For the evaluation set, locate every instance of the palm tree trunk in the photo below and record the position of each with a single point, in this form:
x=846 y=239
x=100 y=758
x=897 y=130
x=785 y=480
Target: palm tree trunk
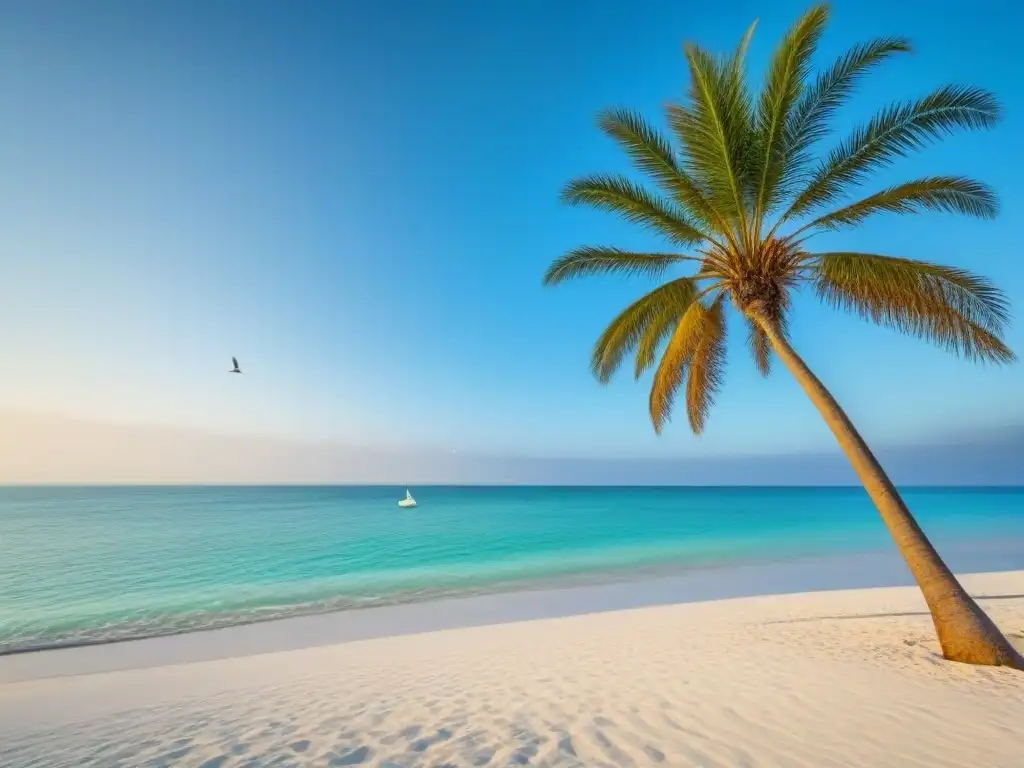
x=965 y=632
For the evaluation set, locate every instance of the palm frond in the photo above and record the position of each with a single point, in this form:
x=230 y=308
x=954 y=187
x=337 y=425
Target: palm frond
x=959 y=311
x=624 y=332
x=671 y=368
x=948 y=194
x=706 y=370
x=777 y=313
x=716 y=264
x=740 y=54
x=760 y=347
x=715 y=130
x=633 y=203
x=590 y=260
x=652 y=153
x=787 y=73
x=661 y=325
x=808 y=122
x=893 y=133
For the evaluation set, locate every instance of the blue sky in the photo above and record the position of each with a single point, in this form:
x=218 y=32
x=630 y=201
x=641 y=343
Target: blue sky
x=359 y=201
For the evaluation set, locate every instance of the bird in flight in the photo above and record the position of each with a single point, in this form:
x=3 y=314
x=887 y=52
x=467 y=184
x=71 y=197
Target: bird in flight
x=236 y=369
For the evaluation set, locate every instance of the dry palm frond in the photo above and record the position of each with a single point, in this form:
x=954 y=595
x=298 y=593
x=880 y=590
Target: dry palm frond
x=671 y=369
x=706 y=370
x=625 y=331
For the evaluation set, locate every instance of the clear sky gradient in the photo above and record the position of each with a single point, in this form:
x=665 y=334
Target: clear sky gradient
x=359 y=199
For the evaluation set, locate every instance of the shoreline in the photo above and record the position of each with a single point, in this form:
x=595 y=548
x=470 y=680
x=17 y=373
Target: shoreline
x=529 y=602
x=655 y=571
x=976 y=556
x=155 y=563
x=789 y=679
x=636 y=574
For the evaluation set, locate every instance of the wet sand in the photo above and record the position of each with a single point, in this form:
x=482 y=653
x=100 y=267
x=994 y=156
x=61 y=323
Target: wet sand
x=832 y=678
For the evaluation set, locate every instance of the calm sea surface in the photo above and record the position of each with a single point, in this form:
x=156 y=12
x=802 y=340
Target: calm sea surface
x=95 y=564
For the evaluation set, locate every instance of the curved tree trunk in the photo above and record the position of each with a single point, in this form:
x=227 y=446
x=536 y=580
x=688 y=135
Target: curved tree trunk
x=965 y=632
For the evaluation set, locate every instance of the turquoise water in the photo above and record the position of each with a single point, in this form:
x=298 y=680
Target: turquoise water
x=84 y=565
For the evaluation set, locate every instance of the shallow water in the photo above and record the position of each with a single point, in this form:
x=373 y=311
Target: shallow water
x=80 y=565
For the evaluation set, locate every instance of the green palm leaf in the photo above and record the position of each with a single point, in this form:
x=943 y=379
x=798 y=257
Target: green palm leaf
x=808 y=122
x=590 y=260
x=632 y=202
x=894 y=133
x=953 y=308
x=736 y=61
x=739 y=160
x=624 y=332
x=652 y=154
x=948 y=194
x=789 y=69
x=715 y=131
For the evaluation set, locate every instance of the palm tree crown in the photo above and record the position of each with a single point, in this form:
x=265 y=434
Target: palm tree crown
x=744 y=169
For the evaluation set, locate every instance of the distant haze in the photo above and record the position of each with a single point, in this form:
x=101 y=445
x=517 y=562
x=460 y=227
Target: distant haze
x=359 y=201
x=37 y=448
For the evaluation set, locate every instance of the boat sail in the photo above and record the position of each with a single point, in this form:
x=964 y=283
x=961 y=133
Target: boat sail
x=408 y=501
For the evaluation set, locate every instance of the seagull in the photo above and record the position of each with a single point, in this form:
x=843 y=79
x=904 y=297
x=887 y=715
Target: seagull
x=236 y=369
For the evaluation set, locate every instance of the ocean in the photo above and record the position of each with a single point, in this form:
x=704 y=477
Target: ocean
x=91 y=565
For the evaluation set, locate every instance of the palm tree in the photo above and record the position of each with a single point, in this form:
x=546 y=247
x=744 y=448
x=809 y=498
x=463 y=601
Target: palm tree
x=744 y=173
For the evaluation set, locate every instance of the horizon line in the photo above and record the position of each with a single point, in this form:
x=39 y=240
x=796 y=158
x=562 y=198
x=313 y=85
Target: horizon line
x=653 y=486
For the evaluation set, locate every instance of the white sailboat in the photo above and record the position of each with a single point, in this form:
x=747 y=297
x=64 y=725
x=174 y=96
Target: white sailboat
x=408 y=501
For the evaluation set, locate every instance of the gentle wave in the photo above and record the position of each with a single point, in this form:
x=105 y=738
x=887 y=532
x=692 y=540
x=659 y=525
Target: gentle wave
x=625 y=567
x=85 y=566
x=163 y=625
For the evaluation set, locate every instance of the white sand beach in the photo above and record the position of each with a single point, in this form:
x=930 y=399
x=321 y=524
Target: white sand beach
x=842 y=678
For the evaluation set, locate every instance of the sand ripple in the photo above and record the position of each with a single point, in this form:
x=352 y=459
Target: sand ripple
x=834 y=679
